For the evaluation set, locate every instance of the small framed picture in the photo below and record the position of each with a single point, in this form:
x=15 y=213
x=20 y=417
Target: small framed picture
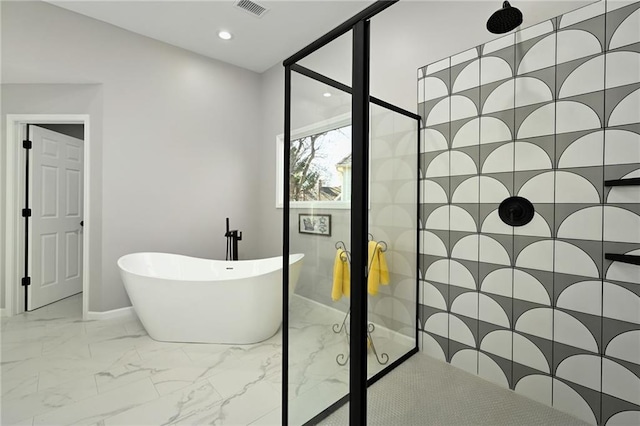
x=318 y=224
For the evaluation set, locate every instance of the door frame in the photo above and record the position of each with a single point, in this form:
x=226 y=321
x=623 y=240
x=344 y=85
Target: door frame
x=15 y=189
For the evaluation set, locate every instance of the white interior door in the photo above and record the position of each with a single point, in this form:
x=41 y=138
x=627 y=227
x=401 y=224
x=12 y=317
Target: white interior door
x=56 y=203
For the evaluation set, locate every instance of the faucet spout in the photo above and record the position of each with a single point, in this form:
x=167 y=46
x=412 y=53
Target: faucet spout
x=233 y=236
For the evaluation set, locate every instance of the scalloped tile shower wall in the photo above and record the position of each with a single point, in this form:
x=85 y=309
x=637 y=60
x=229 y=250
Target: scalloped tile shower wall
x=547 y=113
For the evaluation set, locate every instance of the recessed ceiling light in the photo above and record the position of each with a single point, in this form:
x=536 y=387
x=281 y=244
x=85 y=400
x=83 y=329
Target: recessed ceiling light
x=326 y=94
x=225 y=35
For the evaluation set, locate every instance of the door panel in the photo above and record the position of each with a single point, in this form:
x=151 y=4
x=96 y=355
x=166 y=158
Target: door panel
x=56 y=250
x=72 y=255
x=49 y=192
x=48 y=259
x=74 y=178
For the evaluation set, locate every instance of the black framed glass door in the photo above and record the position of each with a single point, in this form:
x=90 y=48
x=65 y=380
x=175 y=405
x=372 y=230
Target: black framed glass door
x=335 y=342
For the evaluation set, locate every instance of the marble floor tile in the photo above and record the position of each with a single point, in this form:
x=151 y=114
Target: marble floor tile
x=55 y=371
x=177 y=378
x=77 y=349
x=218 y=362
x=184 y=405
x=102 y=406
x=68 y=325
x=259 y=350
x=253 y=401
x=65 y=340
x=27 y=335
x=122 y=374
x=234 y=380
x=116 y=325
x=148 y=348
x=197 y=351
x=188 y=372
x=119 y=343
x=133 y=325
x=46 y=399
x=6 y=347
x=273 y=418
x=19 y=386
x=63 y=371
x=20 y=368
x=18 y=351
x=25 y=422
x=310 y=403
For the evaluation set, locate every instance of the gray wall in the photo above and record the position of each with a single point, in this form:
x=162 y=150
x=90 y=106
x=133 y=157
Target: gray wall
x=316 y=276
x=174 y=130
x=272 y=107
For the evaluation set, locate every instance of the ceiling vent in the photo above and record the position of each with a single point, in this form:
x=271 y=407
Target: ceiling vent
x=251 y=8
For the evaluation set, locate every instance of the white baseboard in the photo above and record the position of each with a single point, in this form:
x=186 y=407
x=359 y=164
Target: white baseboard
x=4 y=312
x=127 y=312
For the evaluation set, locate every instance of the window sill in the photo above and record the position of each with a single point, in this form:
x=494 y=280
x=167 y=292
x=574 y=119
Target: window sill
x=323 y=205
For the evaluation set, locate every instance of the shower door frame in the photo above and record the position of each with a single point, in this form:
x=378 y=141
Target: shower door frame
x=360 y=112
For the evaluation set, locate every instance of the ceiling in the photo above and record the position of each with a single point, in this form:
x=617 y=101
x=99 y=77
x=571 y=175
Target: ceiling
x=288 y=26
x=257 y=44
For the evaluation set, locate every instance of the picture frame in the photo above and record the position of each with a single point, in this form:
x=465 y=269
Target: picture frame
x=316 y=224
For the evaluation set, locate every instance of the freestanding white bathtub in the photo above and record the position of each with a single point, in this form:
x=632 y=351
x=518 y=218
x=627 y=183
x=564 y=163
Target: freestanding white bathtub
x=186 y=299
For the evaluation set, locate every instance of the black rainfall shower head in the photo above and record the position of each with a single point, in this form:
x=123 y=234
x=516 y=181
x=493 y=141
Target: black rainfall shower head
x=505 y=19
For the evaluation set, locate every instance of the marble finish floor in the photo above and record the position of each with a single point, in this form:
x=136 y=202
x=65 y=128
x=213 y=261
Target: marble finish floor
x=59 y=370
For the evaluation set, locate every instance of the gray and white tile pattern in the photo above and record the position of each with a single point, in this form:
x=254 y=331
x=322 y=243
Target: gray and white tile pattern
x=547 y=113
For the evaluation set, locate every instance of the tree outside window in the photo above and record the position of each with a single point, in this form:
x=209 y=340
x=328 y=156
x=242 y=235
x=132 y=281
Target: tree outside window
x=320 y=166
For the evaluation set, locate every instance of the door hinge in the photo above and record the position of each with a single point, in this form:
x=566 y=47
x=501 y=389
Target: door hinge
x=26 y=212
x=27 y=144
x=26 y=281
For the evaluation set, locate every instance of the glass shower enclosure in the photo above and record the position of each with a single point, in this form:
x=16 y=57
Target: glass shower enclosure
x=349 y=192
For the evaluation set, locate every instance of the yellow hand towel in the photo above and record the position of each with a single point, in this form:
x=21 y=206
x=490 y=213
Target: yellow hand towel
x=378 y=269
x=341 y=276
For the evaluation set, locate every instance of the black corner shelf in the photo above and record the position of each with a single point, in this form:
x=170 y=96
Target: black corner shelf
x=624 y=258
x=622 y=182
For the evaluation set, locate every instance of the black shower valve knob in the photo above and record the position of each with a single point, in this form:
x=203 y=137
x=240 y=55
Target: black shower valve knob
x=516 y=211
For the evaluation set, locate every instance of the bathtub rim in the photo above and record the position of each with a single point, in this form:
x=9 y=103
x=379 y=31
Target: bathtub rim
x=293 y=258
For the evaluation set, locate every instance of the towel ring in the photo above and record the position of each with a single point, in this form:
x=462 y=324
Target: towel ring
x=346 y=255
x=340 y=245
x=382 y=244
